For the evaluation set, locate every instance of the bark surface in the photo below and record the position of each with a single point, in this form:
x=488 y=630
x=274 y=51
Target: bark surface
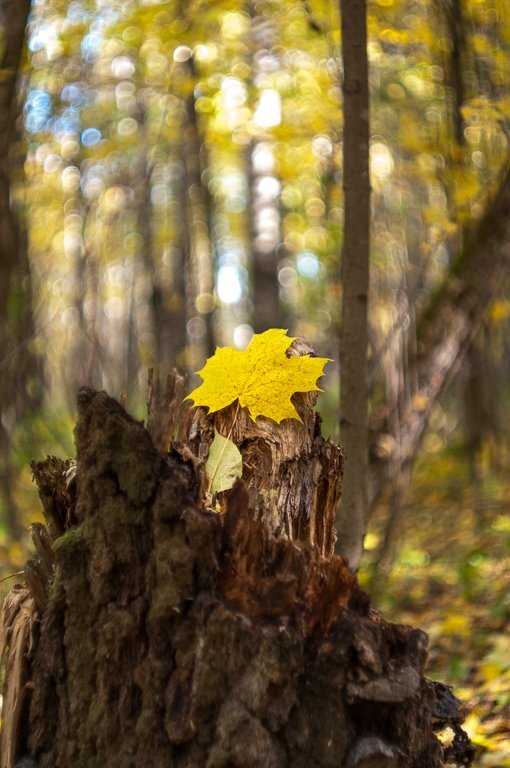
x=169 y=635
x=16 y=322
x=355 y=279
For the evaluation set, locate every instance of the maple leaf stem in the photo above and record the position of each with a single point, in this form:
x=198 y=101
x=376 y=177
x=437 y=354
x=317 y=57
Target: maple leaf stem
x=12 y=575
x=211 y=480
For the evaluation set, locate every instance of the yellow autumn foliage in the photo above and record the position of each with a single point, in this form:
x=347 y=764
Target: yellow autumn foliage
x=261 y=377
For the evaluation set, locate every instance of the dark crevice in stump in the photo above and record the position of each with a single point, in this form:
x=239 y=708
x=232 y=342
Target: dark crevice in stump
x=170 y=636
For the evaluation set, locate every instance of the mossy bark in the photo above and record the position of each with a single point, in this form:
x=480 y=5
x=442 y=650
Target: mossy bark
x=172 y=636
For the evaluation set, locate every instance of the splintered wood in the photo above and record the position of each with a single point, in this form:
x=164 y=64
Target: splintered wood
x=17 y=645
x=271 y=577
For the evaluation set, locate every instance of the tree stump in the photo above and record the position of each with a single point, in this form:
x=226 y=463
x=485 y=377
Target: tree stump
x=163 y=635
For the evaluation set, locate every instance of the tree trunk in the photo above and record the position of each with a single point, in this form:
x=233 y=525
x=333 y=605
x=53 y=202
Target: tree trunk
x=13 y=19
x=16 y=322
x=168 y=635
x=198 y=217
x=264 y=226
x=355 y=273
x=264 y=244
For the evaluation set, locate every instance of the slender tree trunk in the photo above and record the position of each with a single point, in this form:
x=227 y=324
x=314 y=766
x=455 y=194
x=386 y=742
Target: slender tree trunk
x=355 y=275
x=170 y=296
x=16 y=326
x=166 y=290
x=264 y=257
x=264 y=222
x=480 y=419
x=199 y=233
x=455 y=72
x=13 y=20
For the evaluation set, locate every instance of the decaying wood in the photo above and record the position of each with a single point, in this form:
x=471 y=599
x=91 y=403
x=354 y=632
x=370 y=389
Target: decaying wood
x=17 y=645
x=173 y=636
x=163 y=407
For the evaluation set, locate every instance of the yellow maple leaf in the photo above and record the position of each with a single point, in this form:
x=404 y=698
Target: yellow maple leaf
x=261 y=377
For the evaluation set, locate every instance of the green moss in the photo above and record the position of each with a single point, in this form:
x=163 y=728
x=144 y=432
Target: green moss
x=70 y=539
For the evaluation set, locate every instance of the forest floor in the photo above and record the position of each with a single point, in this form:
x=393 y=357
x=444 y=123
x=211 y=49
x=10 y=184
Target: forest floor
x=450 y=577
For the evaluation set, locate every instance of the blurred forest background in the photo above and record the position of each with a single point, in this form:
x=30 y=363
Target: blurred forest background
x=171 y=180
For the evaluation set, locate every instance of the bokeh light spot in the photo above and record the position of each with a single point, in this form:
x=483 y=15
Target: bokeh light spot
x=242 y=335
x=307 y=265
x=90 y=137
x=229 y=285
